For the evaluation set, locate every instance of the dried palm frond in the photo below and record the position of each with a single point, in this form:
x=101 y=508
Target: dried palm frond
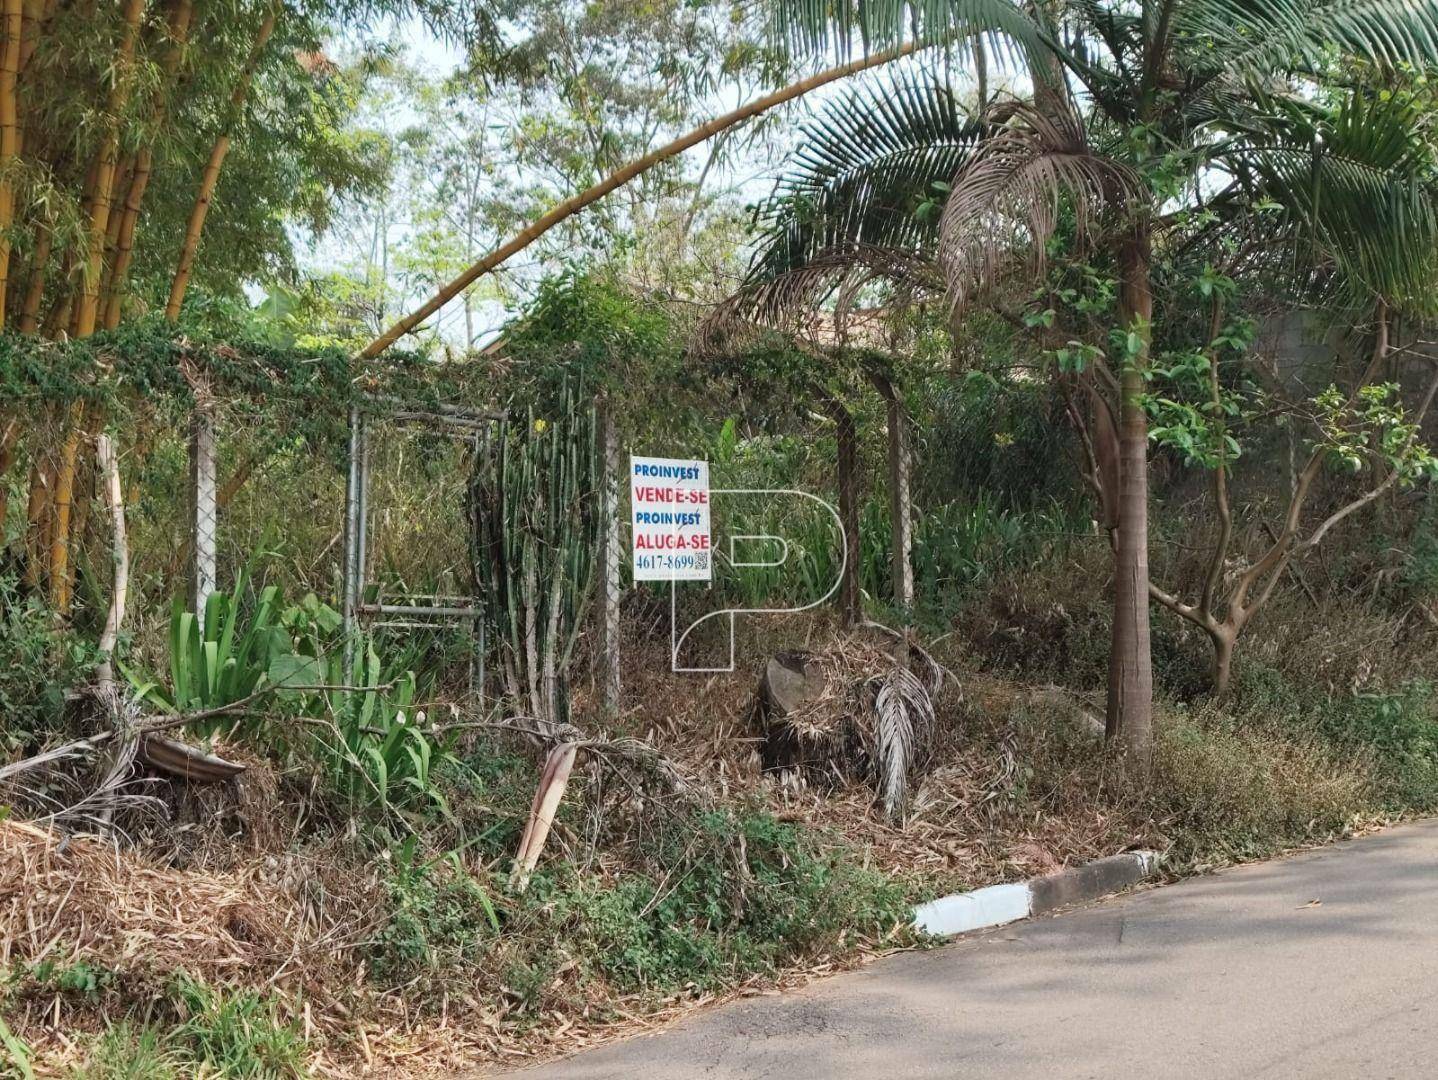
x=788 y=302
x=903 y=727
x=852 y=711
x=1008 y=196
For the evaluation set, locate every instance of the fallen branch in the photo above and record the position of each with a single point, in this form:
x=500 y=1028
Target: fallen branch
x=146 y=726
x=629 y=751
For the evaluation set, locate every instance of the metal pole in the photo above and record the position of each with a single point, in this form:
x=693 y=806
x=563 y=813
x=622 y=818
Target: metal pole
x=352 y=529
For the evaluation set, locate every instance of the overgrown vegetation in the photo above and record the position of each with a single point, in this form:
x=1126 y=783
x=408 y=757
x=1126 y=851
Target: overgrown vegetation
x=1106 y=380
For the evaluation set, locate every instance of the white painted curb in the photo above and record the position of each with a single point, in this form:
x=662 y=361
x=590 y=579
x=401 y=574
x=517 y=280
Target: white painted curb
x=959 y=913
x=995 y=905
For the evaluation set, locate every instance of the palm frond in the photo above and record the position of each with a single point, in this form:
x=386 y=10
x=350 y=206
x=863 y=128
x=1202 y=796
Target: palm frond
x=812 y=27
x=864 y=167
x=789 y=301
x=904 y=725
x=1255 y=38
x=1352 y=192
x=1008 y=197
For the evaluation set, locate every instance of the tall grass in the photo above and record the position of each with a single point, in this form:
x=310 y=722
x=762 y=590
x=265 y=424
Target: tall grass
x=957 y=548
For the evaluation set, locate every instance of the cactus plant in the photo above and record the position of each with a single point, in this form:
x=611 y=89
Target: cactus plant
x=535 y=517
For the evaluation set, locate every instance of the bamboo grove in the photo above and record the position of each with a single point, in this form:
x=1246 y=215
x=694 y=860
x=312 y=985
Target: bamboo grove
x=149 y=149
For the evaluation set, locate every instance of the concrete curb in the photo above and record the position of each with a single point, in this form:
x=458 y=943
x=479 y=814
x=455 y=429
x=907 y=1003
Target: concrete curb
x=999 y=904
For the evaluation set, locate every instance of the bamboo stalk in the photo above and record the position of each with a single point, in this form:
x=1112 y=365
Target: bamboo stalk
x=36 y=517
x=211 y=174
x=14 y=16
x=59 y=313
x=61 y=504
x=86 y=310
x=618 y=179
x=29 y=320
x=179 y=30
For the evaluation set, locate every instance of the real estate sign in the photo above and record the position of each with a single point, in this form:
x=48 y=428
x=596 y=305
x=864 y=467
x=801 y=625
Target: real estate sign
x=669 y=510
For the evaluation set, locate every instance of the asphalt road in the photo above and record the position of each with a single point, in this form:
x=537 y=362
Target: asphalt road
x=1322 y=965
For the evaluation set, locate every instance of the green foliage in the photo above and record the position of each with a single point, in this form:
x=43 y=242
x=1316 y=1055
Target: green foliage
x=38 y=662
x=1229 y=793
x=1373 y=426
x=1399 y=730
x=876 y=170
x=127 y=1052
x=440 y=917
x=535 y=518
x=741 y=894
x=292 y=393
x=583 y=330
x=15 y=1055
x=367 y=738
x=381 y=757
x=77 y=978
x=235 y=1033
x=226 y=661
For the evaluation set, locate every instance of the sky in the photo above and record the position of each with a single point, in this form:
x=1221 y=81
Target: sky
x=748 y=179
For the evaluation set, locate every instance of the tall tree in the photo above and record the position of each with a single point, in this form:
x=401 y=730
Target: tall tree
x=1134 y=110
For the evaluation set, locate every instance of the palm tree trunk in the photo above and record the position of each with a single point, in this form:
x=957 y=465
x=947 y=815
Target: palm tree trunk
x=1130 y=679
x=570 y=207
x=211 y=175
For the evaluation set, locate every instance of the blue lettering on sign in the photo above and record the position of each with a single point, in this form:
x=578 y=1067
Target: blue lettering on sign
x=668 y=472
x=665 y=517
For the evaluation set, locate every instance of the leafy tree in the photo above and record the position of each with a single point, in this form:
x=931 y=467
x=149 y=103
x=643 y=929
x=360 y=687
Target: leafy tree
x=1136 y=115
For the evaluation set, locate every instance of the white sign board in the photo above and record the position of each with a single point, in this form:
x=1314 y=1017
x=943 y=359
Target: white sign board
x=669 y=509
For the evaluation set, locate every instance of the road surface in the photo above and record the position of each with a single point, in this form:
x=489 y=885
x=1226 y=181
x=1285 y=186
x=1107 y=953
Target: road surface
x=1322 y=965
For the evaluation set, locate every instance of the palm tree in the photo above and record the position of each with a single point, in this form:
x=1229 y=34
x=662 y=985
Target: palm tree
x=1139 y=111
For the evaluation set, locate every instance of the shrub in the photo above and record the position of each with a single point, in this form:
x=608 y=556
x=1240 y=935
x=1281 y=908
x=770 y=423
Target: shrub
x=38 y=662
x=1225 y=792
x=1400 y=732
x=440 y=918
x=737 y=894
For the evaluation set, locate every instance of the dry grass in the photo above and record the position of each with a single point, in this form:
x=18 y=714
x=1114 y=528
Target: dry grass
x=65 y=898
x=1018 y=786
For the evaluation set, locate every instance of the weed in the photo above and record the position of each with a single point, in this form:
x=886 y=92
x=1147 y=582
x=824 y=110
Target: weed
x=1228 y=792
x=38 y=663
x=236 y=1033
x=440 y=917
x=125 y=1052
x=737 y=894
x=15 y=1055
x=79 y=978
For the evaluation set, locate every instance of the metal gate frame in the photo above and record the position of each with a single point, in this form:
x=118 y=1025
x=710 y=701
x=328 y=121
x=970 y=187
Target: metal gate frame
x=459 y=423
